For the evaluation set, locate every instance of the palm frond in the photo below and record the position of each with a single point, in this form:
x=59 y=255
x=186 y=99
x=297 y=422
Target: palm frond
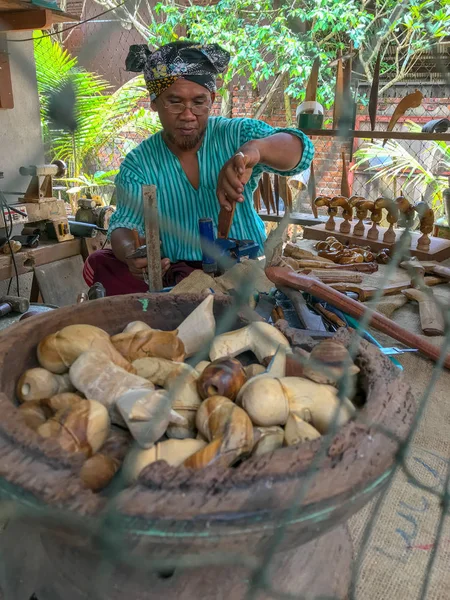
x=102 y=118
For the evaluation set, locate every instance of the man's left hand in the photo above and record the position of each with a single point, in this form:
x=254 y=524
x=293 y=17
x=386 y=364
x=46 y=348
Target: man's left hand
x=235 y=174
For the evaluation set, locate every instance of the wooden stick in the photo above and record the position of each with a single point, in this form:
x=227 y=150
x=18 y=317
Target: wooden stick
x=345 y=186
x=311 y=87
x=276 y=182
x=283 y=277
x=225 y=221
x=137 y=241
x=334 y=276
x=338 y=93
x=373 y=102
x=152 y=239
x=312 y=190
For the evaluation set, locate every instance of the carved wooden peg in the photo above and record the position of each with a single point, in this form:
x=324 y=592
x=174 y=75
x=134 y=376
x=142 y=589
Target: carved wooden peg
x=426 y=216
x=347 y=212
x=375 y=216
x=320 y=201
x=358 y=203
x=392 y=217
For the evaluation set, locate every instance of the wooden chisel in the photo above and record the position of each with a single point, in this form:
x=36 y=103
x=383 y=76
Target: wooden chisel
x=431 y=317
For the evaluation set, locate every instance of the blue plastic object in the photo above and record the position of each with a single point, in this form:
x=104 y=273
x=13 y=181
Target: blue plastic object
x=206 y=230
x=237 y=249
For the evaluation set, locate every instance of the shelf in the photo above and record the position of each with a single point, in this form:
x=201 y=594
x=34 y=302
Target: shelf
x=381 y=135
x=17 y=15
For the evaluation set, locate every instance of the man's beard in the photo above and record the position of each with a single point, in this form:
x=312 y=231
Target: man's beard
x=185 y=142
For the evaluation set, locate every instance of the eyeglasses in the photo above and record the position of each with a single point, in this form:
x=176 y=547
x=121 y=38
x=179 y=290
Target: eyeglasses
x=176 y=108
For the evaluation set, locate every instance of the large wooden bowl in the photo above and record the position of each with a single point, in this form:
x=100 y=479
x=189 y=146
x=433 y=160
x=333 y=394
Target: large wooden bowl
x=311 y=487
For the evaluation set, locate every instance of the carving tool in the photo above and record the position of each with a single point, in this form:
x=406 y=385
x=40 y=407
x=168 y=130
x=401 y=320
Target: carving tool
x=308 y=319
x=13 y=304
x=353 y=323
x=283 y=277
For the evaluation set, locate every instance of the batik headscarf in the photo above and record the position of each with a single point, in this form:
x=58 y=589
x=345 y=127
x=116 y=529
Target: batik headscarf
x=187 y=60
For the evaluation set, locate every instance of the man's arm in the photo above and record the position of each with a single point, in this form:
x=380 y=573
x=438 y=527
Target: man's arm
x=279 y=151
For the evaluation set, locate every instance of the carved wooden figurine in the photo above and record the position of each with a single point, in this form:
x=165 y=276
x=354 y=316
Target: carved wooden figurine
x=330 y=225
x=406 y=210
x=358 y=203
x=426 y=216
x=376 y=214
x=347 y=212
x=392 y=217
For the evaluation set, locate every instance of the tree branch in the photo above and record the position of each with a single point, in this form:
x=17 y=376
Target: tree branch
x=268 y=96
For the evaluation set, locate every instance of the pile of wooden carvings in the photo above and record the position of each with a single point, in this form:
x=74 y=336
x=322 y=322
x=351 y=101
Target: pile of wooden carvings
x=352 y=277
x=94 y=393
x=346 y=230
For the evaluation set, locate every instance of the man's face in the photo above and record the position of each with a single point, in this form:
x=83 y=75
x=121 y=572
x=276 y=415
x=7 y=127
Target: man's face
x=184 y=130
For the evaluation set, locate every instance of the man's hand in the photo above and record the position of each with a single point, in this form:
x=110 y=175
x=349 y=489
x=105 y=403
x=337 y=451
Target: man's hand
x=235 y=174
x=138 y=266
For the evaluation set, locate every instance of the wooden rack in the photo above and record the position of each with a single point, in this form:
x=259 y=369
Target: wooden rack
x=18 y=15
x=380 y=135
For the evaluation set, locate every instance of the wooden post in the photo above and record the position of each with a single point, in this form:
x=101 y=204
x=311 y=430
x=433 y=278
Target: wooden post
x=152 y=239
x=6 y=95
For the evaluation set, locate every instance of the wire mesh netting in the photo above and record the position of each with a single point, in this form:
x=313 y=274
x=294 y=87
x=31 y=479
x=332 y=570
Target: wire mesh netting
x=384 y=474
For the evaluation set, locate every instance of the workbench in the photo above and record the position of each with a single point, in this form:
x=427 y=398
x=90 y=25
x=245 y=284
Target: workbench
x=47 y=252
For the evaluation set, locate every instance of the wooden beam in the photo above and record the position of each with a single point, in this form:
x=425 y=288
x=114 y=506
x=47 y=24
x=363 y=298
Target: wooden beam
x=6 y=93
x=25 y=20
x=367 y=135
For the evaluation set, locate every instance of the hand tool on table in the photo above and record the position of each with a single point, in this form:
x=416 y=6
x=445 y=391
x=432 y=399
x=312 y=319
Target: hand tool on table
x=341 y=319
x=283 y=277
x=308 y=319
x=365 y=293
x=13 y=304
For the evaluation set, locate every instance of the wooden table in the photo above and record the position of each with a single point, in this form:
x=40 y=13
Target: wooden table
x=47 y=252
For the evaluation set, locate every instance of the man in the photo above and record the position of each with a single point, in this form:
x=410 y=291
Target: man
x=198 y=164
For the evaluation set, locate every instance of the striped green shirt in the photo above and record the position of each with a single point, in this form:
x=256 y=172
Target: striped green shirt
x=180 y=205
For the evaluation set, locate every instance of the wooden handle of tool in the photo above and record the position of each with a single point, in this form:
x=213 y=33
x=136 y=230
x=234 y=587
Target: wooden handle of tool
x=225 y=221
x=283 y=277
x=430 y=313
x=136 y=239
x=330 y=315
